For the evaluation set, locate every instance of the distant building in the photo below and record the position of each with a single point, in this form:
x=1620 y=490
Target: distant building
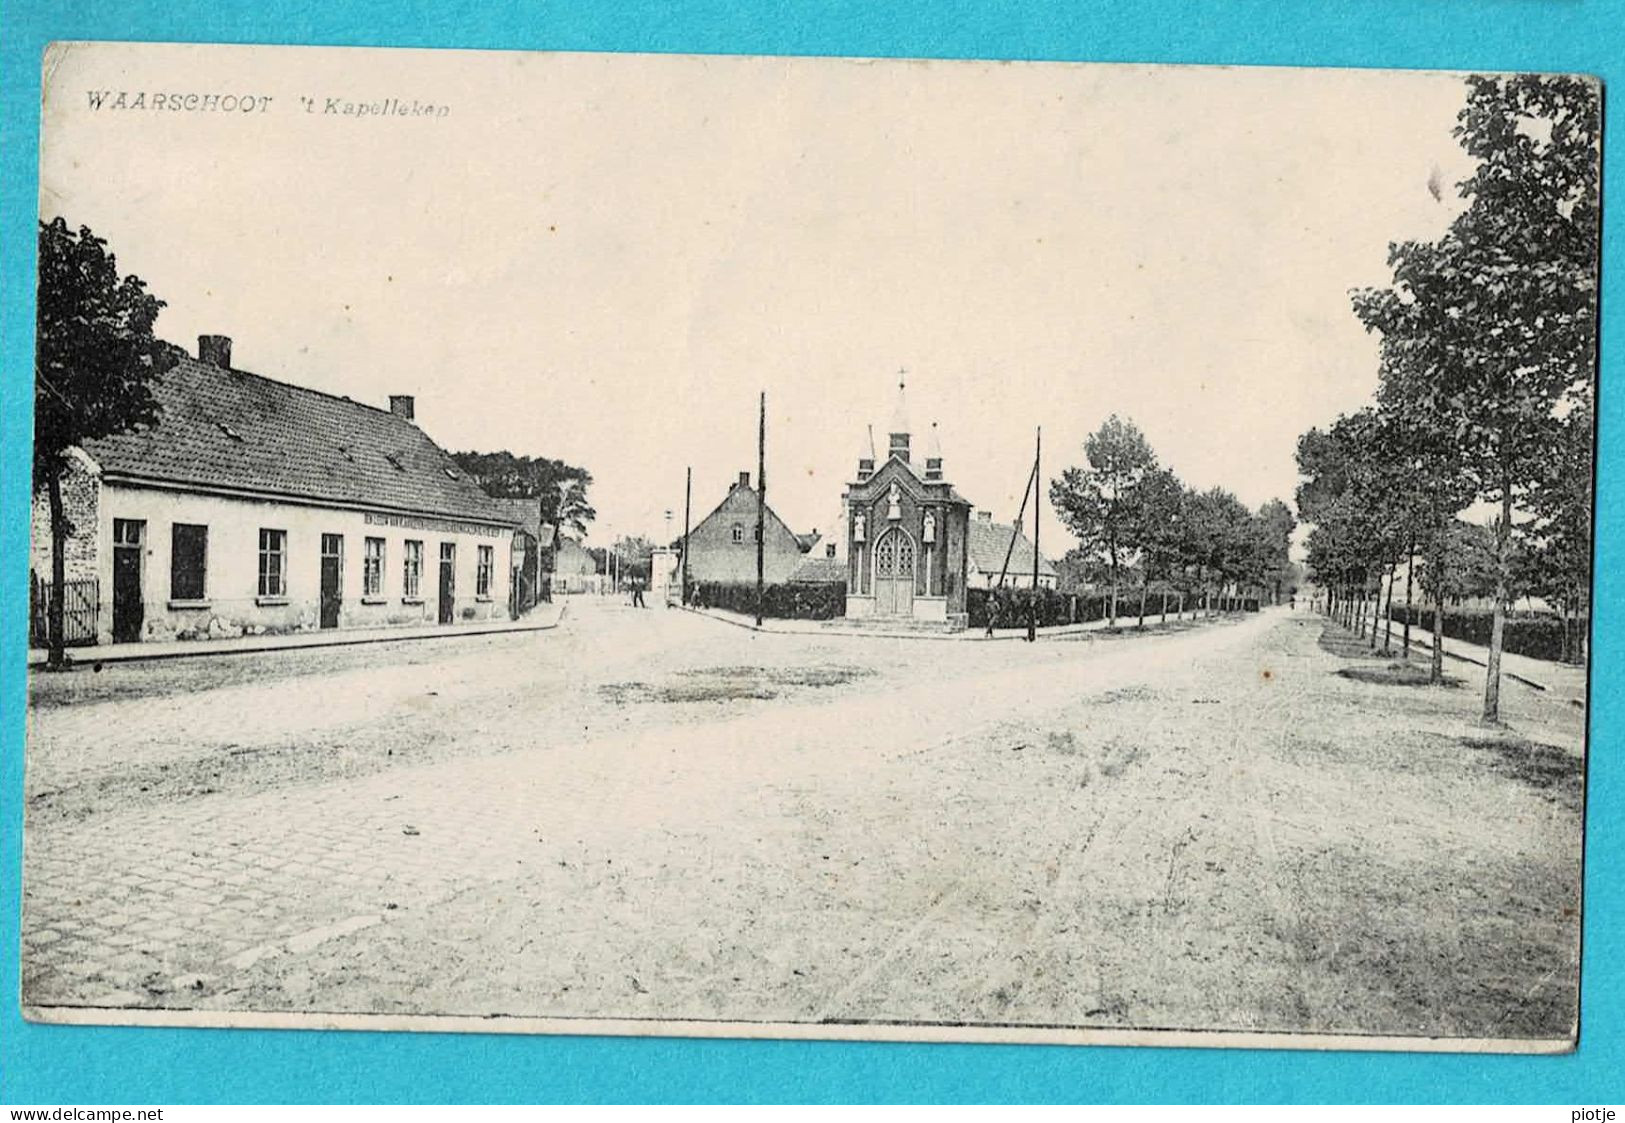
x=254 y=506
x=722 y=546
x=532 y=563
x=989 y=547
x=664 y=578
x=574 y=569
x=819 y=570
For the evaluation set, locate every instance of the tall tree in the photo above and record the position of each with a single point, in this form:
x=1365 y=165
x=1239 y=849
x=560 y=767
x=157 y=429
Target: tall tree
x=1559 y=562
x=1273 y=542
x=1504 y=304
x=94 y=363
x=1159 y=531
x=1100 y=503
x=560 y=489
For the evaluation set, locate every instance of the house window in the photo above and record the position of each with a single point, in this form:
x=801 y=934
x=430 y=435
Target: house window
x=273 y=563
x=739 y=533
x=484 y=563
x=372 y=568
x=188 y=559
x=412 y=575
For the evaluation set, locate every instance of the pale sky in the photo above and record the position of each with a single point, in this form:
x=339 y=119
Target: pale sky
x=604 y=258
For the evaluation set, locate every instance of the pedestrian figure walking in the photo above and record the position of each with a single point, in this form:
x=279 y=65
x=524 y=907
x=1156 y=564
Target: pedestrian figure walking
x=992 y=610
x=637 y=594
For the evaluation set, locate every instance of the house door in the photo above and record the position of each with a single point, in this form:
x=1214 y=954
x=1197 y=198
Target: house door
x=448 y=580
x=129 y=609
x=332 y=579
x=894 y=574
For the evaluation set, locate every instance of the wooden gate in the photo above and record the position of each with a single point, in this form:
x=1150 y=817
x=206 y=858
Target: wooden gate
x=80 y=603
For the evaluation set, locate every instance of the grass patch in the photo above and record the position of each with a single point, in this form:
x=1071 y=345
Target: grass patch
x=1546 y=768
x=1396 y=674
x=1338 y=640
x=731 y=684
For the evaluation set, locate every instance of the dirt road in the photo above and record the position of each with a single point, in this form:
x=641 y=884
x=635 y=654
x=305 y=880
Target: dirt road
x=649 y=815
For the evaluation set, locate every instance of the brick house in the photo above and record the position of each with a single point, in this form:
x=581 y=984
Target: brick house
x=913 y=548
x=722 y=546
x=906 y=533
x=254 y=506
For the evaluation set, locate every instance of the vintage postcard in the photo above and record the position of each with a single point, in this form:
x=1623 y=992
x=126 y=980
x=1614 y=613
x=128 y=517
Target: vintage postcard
x=810 y=547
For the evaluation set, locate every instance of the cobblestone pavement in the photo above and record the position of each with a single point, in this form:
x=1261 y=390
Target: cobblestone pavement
x=652 y=815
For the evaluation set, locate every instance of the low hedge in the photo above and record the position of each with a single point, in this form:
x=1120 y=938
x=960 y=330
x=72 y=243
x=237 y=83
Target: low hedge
x=800 y=600
x=1057 y=608
x=1536 y=635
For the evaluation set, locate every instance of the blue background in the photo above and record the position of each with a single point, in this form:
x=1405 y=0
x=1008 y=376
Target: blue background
x=40 y=1064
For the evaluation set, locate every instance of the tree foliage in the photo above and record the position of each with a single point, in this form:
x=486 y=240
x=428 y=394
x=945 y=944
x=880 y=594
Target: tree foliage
x=1488 y=340
x=94 y=363
x=1131 y=515
x=1101 y=502
x=560 y=489
x=95 y=353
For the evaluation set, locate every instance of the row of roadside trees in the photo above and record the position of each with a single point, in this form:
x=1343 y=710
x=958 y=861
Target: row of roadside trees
x=1485 y=402
x=1138 y=525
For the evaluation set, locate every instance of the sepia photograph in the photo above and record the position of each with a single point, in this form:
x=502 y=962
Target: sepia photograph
x=810 y=547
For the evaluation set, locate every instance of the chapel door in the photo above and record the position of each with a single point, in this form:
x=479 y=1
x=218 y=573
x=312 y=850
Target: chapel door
x=894 y=574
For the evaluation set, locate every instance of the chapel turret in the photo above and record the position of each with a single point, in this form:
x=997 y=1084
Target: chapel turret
x=898 y=432
x=906 y=530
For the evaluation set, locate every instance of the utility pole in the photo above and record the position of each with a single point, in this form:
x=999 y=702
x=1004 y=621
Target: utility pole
x=688 y=499
x=1032 y=619
x=761 y=500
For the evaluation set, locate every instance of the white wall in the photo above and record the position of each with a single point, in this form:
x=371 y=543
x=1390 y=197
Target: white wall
x=1012 y=580
x=231 y=602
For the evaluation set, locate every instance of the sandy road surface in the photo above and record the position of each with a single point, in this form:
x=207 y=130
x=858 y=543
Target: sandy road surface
x=649 y=815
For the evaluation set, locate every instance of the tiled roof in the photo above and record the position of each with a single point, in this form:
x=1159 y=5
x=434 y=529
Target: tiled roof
x=527 y=513
x=231 y=429
x=819 y=570
x=989 y=541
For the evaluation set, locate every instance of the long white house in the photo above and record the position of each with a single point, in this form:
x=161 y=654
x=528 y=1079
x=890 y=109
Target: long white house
x=257 y=507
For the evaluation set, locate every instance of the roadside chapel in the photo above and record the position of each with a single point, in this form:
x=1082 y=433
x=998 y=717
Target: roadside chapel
x=906 y=532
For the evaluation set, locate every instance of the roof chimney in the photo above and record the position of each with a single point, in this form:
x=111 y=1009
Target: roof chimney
x=215 y=350
x=984 y=516
x=744 y=480
x=401 y=405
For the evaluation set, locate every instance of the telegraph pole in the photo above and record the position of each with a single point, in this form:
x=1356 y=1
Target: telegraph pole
x=1032 y=619
x=688 y=499
x=761 y=500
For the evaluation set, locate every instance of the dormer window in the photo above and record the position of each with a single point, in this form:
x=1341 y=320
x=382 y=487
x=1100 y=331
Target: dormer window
x=394 y=461
x=229 y=431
